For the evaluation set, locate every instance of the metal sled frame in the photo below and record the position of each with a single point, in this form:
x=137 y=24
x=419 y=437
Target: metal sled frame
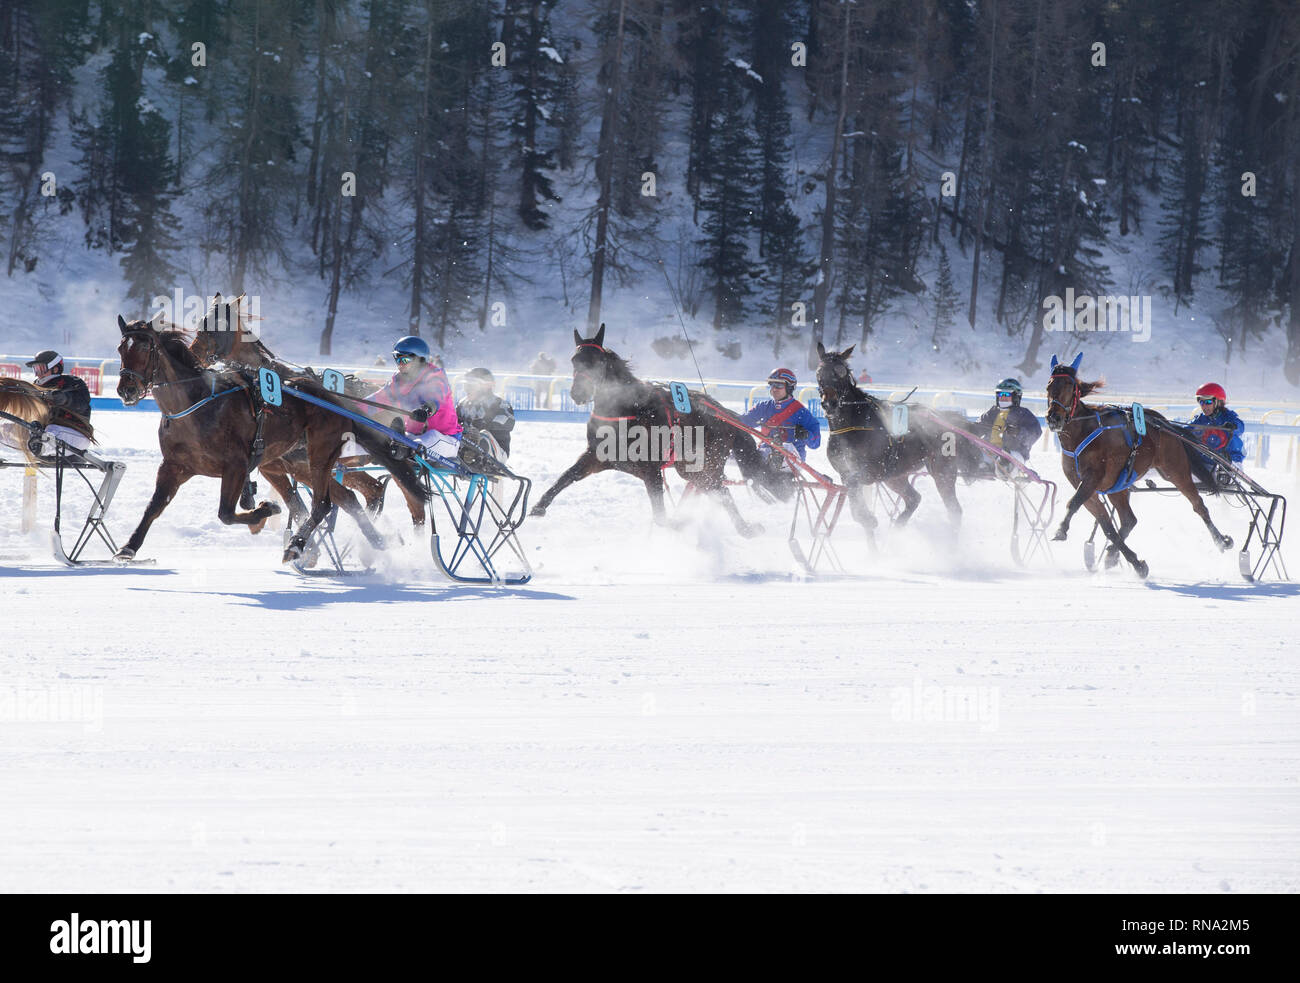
x=467 y=496
x=474 y=510
x=323 y=543
x=1264 y=534
x=817 y=506
x=1033 y=503
x=69 y=459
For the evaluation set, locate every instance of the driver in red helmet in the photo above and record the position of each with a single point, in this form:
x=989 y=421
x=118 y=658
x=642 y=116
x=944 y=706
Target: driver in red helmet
x=783 y=418
x=1216 y=426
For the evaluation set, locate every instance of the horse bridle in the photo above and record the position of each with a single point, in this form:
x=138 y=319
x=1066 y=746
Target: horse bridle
x=1074 y=403
x=587 y=372
x=150 y=367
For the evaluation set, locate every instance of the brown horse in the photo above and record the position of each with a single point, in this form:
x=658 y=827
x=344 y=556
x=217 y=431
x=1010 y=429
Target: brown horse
x=211 y=421
x=223 y=336
x=1103 y=454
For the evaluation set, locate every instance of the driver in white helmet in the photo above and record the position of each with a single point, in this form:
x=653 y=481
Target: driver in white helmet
x=69 y=400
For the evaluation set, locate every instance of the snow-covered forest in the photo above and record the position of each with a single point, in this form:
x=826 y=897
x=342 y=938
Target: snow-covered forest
x=915 y=178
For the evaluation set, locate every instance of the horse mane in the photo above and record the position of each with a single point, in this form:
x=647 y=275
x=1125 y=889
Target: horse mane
x=176 y=343
x=618 y=367
x=1084 y=387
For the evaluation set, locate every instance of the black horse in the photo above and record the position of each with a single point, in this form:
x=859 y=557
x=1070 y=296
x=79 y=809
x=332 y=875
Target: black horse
x=862 y=450
x=645 y=413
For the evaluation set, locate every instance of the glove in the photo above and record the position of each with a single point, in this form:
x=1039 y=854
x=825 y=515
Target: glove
x=801 y=433
x=421 y=413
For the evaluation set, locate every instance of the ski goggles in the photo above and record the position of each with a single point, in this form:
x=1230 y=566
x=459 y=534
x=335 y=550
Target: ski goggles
x=1207 y=400
x=404 y=359
x=1003 y=394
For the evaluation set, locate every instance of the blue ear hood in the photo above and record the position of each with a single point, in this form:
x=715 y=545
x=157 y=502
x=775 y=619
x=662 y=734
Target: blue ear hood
x=1054 y=362
x=1077 y=359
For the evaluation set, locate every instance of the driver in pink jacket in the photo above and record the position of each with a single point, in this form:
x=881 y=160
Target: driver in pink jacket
x=420 y=387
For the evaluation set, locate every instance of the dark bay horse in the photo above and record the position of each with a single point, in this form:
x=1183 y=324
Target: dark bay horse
x=223 y=337
x=1103 y=454
x=210 y=421
x=862 y=450
x=623 y=404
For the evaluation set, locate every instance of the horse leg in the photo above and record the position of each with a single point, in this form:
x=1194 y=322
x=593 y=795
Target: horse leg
x=861 y=512
x=371 y=488
x=169 y=480
x=585 y=466
x=324 y=442
x=901 y=486
x=654 y=487
x=276 y=475
x=1127 y=520
x=1098 y=510
x=343 y=497
x=232 y=484
x=1181 y=478
x=720 y=491
x=946 y=482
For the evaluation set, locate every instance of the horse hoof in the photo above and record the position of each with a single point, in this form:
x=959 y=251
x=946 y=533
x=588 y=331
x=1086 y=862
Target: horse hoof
x=1112 y=557
x=750 y=529
x=1225 y=544
x=1142 y=569
x=1060 y=536
x=537 y=511
x=272 y=508
x=290 y=555
x=125 y=554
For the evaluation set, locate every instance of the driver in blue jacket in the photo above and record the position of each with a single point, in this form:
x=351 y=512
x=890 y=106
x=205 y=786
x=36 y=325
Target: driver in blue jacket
x=783 y=418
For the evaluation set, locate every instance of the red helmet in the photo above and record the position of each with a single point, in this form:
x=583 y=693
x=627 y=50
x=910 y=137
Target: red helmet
x=1212 y=389
x=783 y=375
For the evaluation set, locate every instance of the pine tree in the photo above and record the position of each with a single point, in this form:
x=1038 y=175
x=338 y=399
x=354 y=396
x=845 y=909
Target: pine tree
x=729 y=201
x=947 y=302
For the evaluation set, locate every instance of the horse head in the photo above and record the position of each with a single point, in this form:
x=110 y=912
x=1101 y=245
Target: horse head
x=138 y=352
x=834 y=377
x=591 y=362
x=1064 y=391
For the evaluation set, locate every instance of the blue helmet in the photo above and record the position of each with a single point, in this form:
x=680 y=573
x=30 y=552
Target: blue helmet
x=412 y=345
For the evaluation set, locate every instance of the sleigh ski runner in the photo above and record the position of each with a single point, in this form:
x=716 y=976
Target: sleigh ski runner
x=817 y=500
x=1265 y=512
x=482 y=502
x=1033 y=497
x=64 y=462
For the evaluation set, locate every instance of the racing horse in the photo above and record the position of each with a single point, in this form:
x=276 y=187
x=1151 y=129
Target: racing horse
x=862 y=450
x=1103 y=452
x=212 y=422
x=601 y=375
x=222 y=337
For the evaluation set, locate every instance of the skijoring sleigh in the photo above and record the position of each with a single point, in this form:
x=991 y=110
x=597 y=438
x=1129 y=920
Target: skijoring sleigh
x=484 y=504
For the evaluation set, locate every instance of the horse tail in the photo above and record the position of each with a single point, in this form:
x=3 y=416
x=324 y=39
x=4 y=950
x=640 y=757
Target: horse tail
x=376 y=445
x=401 y=468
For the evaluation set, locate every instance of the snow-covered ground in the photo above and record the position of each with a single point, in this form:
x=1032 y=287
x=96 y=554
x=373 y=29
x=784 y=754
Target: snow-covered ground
x=657 y=710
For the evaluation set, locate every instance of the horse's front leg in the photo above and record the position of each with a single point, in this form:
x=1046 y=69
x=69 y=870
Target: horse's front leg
x=169 y=480
x=1085 y=489
x=233 y=480
x=588 y=464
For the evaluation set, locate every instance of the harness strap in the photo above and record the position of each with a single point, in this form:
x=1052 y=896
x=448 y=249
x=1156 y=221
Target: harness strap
x=201 y=403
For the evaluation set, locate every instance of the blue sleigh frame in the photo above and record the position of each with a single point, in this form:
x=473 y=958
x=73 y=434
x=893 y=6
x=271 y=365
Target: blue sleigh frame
x=483 y=526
